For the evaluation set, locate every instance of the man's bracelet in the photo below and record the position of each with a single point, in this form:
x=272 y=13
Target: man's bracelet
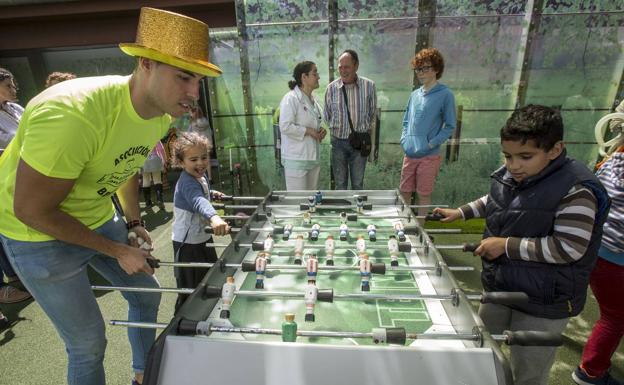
x=135 y=223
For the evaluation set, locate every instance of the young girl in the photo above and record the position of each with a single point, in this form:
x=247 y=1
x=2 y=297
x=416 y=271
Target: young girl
x=192 y=211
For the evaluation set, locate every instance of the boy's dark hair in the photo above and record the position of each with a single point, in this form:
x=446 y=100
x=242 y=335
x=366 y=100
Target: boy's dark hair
x=431 y=55
x=353 y=54
x=541 y=124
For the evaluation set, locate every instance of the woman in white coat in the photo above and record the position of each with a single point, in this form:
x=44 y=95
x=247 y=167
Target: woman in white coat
x=300 y=126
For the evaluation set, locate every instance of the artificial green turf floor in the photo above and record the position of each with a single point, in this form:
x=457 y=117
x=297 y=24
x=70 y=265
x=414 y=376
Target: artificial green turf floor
x=31 y=353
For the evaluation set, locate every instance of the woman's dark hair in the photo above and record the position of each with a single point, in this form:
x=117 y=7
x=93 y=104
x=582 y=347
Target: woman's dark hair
x=5 y=74
x=302 y=68
x=543 y=125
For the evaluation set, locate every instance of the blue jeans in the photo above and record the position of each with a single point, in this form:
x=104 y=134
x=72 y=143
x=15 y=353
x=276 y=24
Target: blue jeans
x=55 y=273
x=347 y=162
x=5 y=266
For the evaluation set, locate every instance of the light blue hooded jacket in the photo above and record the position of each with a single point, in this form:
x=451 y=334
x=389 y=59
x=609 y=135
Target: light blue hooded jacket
x=429 y=120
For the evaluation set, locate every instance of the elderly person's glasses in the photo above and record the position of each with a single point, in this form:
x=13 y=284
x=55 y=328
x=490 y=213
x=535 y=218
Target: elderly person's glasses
x=423 y=69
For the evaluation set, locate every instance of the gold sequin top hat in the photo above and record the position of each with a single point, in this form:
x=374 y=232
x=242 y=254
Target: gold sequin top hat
x=173 y=39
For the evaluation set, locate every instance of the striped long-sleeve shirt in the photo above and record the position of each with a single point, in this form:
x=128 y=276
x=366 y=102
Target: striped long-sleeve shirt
x=362 y=98
x=574 y=221
x=611 y=174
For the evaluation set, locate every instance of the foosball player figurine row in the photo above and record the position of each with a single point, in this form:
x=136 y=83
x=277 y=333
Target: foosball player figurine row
x=330 y=247
x=287 y=230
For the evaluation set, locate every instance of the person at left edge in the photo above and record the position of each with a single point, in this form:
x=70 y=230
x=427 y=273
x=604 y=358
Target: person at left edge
x=55 y=205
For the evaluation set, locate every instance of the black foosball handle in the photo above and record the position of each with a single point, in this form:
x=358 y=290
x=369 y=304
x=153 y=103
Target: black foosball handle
x=218 y=206
x=212 y=292
x=325 y=295
x=226 y=198
x=507 y=298
x=378 y=268
x=533 y=338
x=153 y=262
x=248 y=266
x=434 y=217
x=470 y=247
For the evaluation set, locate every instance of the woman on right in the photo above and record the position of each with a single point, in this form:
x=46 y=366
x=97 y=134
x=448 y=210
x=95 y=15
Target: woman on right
x=607 y=278
x=300 y=126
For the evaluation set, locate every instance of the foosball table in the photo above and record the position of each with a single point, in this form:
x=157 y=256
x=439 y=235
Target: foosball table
x=329 y=287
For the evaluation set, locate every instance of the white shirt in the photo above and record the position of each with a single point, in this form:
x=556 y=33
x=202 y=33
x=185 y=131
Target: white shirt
x=298 y=111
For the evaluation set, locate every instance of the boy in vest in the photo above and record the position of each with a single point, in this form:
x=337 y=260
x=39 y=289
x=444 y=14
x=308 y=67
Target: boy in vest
x=543 y=225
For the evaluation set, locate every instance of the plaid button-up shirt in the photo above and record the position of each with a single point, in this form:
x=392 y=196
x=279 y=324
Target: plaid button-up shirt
x=362 y=98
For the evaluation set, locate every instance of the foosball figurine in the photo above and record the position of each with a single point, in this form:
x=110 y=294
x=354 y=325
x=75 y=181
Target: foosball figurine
x=307 y=218
x=268 y=247
x=227 y=295
x=314 y=234
x=343 y=217
x=330 y=246
x=311 y=204
x=400 y=231
x=298 y=249
x=393 y=249
x=261 y=263
x=312 y=268
x=318 y=197
x=372 y=232
x=365 y=272
x=359 y=205
x=360 y=245
x=287 y=231
x=289 y=328
x=310 y=295
x=344 y=232
x=270 y=217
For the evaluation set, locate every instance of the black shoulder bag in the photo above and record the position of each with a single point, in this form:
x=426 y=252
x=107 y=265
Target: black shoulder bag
x=360 y=141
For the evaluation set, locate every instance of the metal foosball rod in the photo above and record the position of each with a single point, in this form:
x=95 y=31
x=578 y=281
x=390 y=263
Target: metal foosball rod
x=319 y=197
x=249 y=266
x=391 y=336
x=308 y=217
x=328 y=295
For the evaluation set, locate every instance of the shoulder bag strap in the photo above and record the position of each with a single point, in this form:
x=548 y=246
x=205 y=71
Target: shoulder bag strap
x=344 y=93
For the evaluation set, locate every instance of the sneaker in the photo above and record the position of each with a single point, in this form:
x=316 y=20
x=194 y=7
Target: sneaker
x=4 y=322
x=9 y=294
x=580 y=377
x=12 y=279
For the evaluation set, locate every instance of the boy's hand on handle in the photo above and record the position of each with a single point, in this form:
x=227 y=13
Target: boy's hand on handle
x=491 y=248
x=134 y=260
x=449 y=215
x=216 y=195
x=219 y=226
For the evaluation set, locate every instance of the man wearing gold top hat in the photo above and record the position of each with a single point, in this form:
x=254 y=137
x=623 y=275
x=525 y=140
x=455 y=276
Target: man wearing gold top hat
x=79 y=142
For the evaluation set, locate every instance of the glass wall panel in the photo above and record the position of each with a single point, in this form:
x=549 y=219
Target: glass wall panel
x=90 y=62
x=348 y=9
x=271 y=65
x=482 y=7
x=580 y=76
x=262 y=11
x=582 y=6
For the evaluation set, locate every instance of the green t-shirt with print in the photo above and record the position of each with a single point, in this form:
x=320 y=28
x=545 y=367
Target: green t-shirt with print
x=86 y=130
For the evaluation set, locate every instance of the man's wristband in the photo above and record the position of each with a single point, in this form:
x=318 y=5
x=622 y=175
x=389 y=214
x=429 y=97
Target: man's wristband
x=135 y=223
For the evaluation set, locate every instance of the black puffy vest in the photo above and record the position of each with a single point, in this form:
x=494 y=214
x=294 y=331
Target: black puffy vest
x=528 y=209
